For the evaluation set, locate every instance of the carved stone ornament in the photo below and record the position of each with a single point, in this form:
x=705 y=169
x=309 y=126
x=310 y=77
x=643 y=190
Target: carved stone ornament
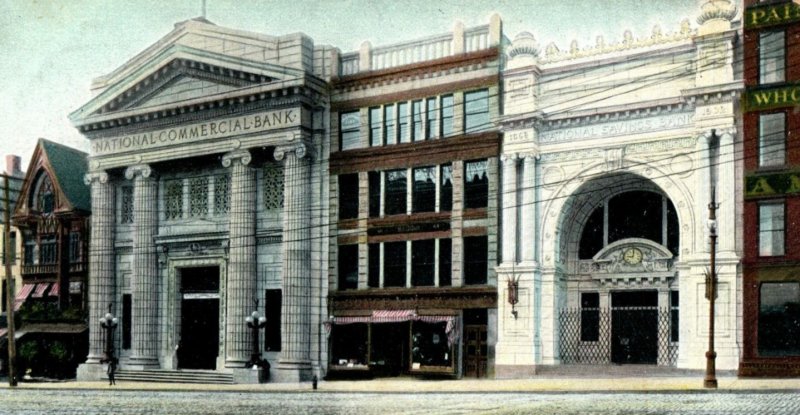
x=243 y=156
x=99 y=177
x=143 y=170
x=632 y=255
x=300 y=149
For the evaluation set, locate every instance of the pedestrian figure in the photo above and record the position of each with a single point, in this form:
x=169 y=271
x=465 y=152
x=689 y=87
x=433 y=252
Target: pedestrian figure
x=112 y=368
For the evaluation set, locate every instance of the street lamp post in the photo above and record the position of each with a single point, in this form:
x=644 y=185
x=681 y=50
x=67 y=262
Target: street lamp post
x=255 y=322
x=109 y=323
x=710 y=380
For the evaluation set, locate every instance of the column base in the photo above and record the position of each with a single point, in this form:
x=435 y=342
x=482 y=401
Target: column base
x=254 y=375
x=142 y=363
x=514 y=371
x=292 y=372
x=91 y=371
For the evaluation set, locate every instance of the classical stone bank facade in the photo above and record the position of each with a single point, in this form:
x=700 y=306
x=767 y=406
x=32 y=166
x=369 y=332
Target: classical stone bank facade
x=557 y=211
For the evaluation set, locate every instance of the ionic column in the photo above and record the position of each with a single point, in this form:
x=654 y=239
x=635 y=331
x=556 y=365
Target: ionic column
x=144 y=284
x=509 y=209
x=295 y=361
x=101 y=260
x=241 y=288
x=528 y=226
x=726 y=189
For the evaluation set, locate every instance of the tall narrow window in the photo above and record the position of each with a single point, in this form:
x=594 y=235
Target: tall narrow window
x=432 y=128
x=12 y=241
x=273 y=186
x=674 y=315
x=475 y=260
x=445 y=262
x=770 y=229
x=447 y=116
x=348 y=196
x=476 y=184
x=423 y=261
x=424 y=196
x=403 y=119
x=394 y=264
x=173 y=199
x=771 y=57
x=222 y=194
x=374 y=272
x=47 y=250
x=127 y=318
x=416 y=121
x=126 y=205
x=198 y=197
x=348 y=267
x=395 y=189
x=446 y=190
x=74 y=247
x=30 y=249
x=389 y=134
x=375 y=126
x=272 y=331
x=350 y=130
x=590 y=317
x=476 y=111
x=374 y=194
x=772 y=139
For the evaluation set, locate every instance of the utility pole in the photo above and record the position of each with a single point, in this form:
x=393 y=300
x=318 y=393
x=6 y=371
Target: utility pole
x=710 y=380
x=12 y=345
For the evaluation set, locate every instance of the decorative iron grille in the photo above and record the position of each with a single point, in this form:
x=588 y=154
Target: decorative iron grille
x=222 y=194
x=589 y=336
x=273 y=186
x=126 y=215
x=173 y=199
x=198 y=197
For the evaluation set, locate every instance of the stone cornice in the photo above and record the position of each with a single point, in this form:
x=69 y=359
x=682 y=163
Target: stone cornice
x=714 y=94
x=414 y=298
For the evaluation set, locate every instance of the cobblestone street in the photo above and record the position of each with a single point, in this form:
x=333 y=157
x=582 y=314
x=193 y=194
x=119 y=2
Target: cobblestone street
x=148 y=402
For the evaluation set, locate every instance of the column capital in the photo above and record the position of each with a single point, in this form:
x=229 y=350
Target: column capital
x=531 y=156
x=243 y=156
x=143 y=170
x=509 y=157
x=95 y=177
x=300 y=149
x=726 y=136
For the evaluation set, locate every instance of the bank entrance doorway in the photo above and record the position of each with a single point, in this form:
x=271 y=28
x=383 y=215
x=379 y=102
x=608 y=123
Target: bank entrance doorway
x=199 y=330
x=634 y=327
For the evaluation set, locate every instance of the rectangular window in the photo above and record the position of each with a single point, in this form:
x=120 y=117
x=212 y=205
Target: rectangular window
x=771 y=57
x=30 y=247
x=74 y=247
x=198 y=197
x=375 y=126
x=272 y=330
x=403 y=131
x=126 y=204
x=394 y=264
x=222 y=194
x=173 y=199
x=349 y=130
x=3 y=295
x=416 y=121
x=476 y=184
x=779 y=319
x=127 y=318
x=772 y=139
x=476 y=111
x=475 y=260
x=348 y=196
x=396 y=191
x=770 y=229
x=348 y=267
x=423 y=261
x=445 y=262
x=674 y=322
x=374 y=194
x=432 y=129
x=374 y=276
x=273 y=186
x=12 y=247
x=389 y=134
x=423 y=198
x=447 y=116
x=446 y=190
x=590 y=317
x=47 y=250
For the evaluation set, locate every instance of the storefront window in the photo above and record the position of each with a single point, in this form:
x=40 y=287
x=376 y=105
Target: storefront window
x=429 y=345
x=779 y=319
x=349 y=345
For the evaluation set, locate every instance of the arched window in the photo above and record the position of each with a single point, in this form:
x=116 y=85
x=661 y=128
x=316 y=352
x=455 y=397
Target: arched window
x=635 y=214
x=43 y=198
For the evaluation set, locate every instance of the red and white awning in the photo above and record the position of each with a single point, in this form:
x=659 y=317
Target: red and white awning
x=54 y=291
x=22 y=295
x=398 y=316
x=40 y=289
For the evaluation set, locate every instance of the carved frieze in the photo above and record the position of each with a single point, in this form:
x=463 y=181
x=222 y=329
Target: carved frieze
x=404 y=299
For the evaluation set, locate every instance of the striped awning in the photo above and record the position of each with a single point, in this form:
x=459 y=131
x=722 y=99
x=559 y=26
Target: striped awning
x=3 y=332
x=54 y=291
x=398 y=316
x=40 y=289
x=22 y=295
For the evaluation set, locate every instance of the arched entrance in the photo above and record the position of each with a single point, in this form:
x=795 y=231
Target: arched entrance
x=618 y=244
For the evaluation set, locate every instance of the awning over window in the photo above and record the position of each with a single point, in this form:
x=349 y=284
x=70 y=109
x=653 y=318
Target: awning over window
x=54 y=291
x=398 y=316
x=40 y=289
x=22 y=295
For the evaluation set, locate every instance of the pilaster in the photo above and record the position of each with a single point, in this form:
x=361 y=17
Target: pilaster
x=509 y=197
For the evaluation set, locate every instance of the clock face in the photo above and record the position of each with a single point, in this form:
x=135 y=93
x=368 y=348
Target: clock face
x=632 y=256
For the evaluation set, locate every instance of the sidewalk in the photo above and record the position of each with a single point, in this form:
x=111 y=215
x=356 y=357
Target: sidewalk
x=409 y=385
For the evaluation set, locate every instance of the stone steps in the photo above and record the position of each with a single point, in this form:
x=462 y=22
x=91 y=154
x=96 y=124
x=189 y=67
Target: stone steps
x=175 y=376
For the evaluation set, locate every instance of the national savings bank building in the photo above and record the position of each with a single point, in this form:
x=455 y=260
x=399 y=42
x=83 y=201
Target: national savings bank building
x=209 y=203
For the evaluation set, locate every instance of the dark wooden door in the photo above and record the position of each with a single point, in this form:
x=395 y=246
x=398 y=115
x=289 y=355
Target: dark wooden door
x=475 y=351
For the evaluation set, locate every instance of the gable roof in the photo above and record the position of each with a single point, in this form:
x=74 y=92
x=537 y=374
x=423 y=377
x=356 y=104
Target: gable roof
x=69 y=167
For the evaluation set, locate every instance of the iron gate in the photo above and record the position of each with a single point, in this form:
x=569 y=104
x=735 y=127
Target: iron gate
x=618 y=335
